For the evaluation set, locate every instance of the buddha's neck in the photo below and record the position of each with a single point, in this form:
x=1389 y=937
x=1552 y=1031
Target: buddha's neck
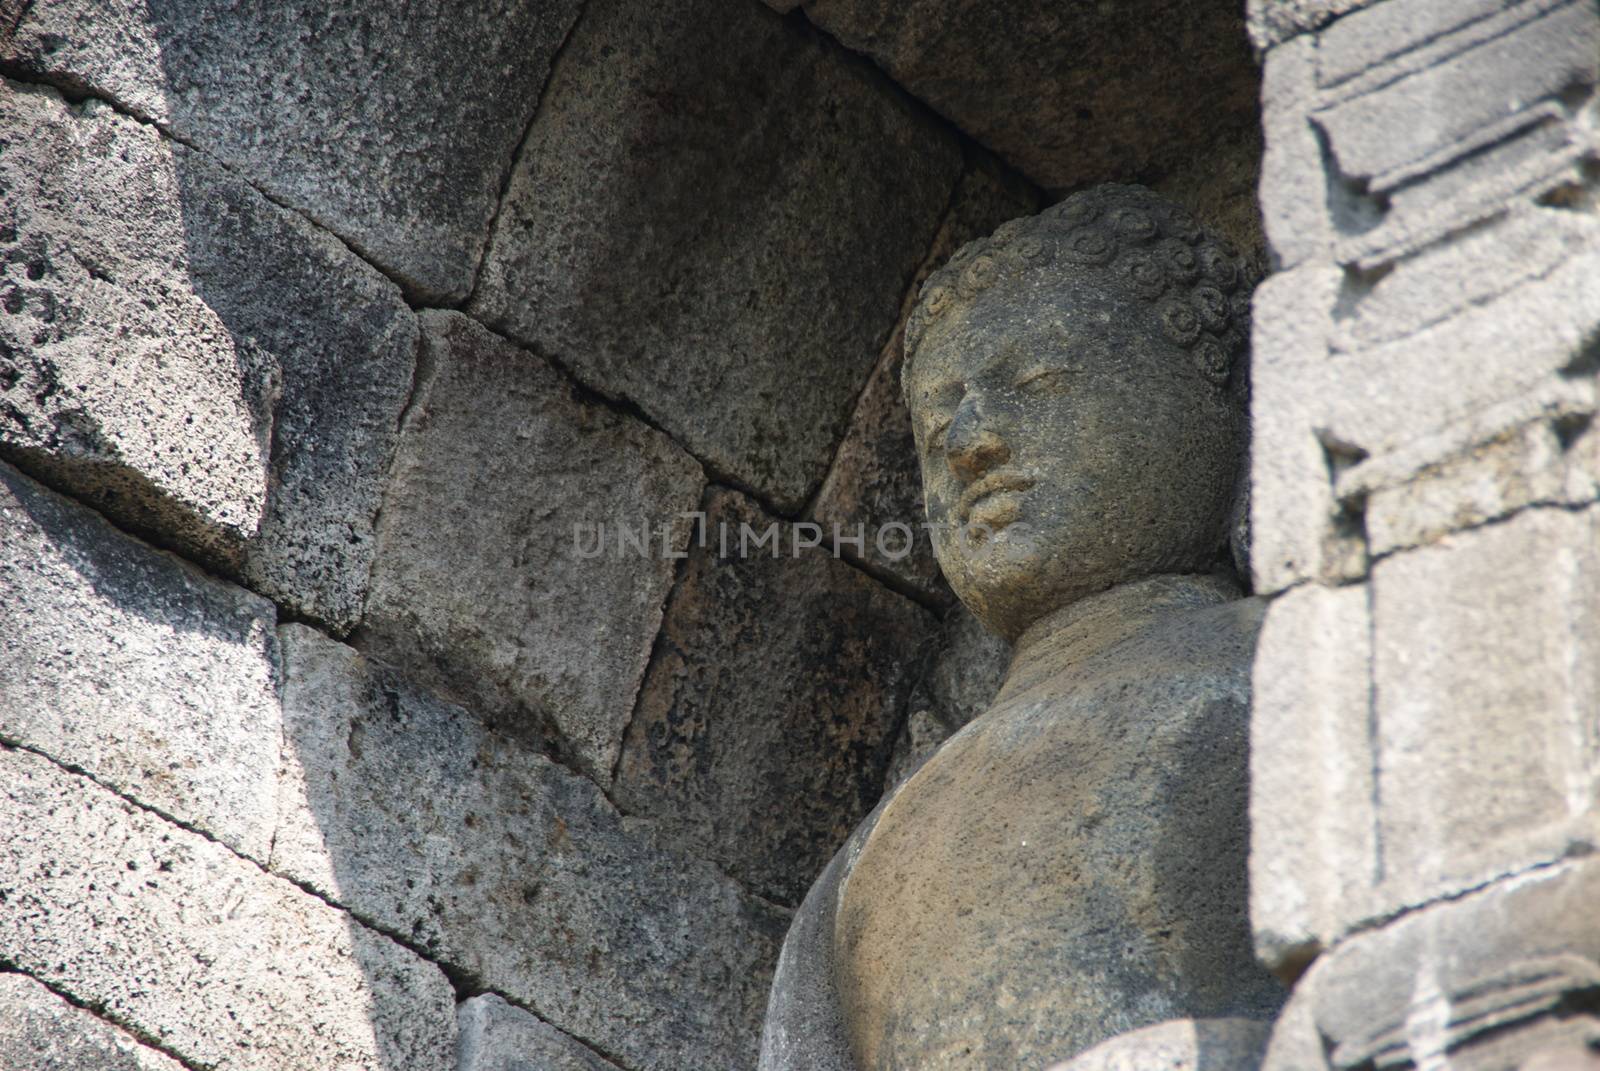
x=1080 y=630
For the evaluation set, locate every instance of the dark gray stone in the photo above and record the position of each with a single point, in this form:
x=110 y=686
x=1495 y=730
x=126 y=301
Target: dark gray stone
x=41 y=1032
x=959 y=683
x=718 y=233
x=195 y=362
x=136 y=667
x=965 y=674
x=765 y=722
x=1161 y=91
x=496 y=1036
x=392 y=127
x=511 y=870
x=481 y=587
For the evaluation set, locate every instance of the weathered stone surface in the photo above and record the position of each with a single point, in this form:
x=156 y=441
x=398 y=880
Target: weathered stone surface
x=965 y=674
x=732 y=265
x=1419 y=119
x=134 y=666
x=874 y=481
x=496 y=1036
x=959 y=683
x=194 y=361
x=1163 y=91
x=1273 y=21
x=502 y=485
x=1071 y=865
x=1297 y=529
x=117 y=378
x=1179 y=1045
x=1486 y=685
x=172 y=934
x=805 y=1028
x=1552 y=460
x=511 y=870
x=41 y=1032
x=1313 y=830
x=1294 y=187
x=407 y=169
x=765 y=722
x=1505 y=977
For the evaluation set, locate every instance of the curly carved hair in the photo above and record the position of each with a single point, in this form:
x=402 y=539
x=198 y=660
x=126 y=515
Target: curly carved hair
x=1143 y=244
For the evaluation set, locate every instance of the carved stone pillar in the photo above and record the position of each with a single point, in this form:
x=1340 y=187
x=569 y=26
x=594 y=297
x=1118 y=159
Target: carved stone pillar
x=1427 y=688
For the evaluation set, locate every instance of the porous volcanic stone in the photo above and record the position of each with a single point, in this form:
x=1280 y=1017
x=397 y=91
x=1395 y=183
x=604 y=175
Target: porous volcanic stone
x=41 y=1032
x=220 y=964
x=392 y=127
x=765 y=722
x=496 y=1036
x=116 y=378
x=874 y=480
x=720 y=234
x=134 y=666
x=511 y=870
x=194 y=361
x=502 y=484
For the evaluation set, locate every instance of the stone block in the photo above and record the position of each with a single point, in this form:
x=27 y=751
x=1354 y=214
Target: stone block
x=196 y=949
x=1298 y=531
x=874 y=480
x=765 y=722
x=1413 y=120
x=118 y=379
x=1069 y=95
x=1445 y=281
x=1475 y=983
x=1294 y=191
x=134 y=666
x=41 y=1032
x=513 y=872
x=1485 y=686
x=1313 y=846
x=199 y=364
x=1551 y=460
x=496 y=1036
x=1274 y=21
x=407 y=170
x=1179 y=1045
x=1448 y=105
x=719 y=235
x=488 y=584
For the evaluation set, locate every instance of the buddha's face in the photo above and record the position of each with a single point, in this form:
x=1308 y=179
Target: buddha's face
x=1066 y=446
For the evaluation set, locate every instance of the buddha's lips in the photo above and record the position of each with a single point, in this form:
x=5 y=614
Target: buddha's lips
x=985 y=486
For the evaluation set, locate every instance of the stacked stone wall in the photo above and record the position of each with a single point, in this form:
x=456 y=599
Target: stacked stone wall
x=1426 y=473
x=326 y=331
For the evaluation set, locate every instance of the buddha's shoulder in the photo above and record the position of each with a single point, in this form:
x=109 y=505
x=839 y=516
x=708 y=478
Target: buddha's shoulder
x=1194 y=655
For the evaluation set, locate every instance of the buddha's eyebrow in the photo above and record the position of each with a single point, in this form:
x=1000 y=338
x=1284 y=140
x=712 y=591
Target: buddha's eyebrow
x=944 y=386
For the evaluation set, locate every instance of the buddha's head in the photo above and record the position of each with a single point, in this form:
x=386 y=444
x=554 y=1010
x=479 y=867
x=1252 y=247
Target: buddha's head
x=1077 y=390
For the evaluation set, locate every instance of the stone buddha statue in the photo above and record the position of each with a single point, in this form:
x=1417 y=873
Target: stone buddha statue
x=1070 y=867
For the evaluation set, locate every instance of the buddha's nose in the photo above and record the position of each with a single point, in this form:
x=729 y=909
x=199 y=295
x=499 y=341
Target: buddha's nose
x=972 y=446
